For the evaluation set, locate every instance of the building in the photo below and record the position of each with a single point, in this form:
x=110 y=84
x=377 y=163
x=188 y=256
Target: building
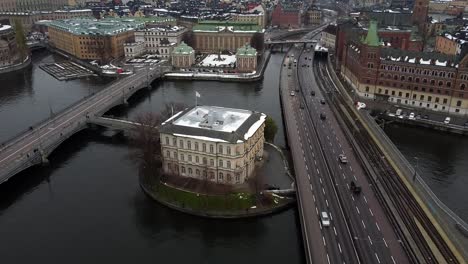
x=256 y=18
x=215 y=36
x=314 y=16
x=286 y=15
x=451 y=44
x=328 y=37
x=246 y=59
x=91 y=39
x=160 y=40
x=134 y=49
x=9 y=54
x=213 y=143
x=183 y=56
x=420 y=12
x=31 y=5
x=428 y=80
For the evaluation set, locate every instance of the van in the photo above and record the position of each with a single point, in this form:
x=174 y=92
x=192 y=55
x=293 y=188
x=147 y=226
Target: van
x=325 y=219
x=447 y=120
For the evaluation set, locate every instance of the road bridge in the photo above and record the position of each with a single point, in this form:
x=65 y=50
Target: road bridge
x=34 y=145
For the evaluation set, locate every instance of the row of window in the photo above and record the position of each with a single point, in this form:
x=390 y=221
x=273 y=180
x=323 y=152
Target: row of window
x=417 y=80
x=414 y=97
x=205 y=160
x=417 y=71
x=196 y=146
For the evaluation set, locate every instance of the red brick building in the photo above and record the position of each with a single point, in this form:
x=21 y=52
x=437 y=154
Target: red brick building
x=432 y=81
x=286 y=16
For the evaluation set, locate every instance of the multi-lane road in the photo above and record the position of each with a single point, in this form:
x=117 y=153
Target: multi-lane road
x=359 y=231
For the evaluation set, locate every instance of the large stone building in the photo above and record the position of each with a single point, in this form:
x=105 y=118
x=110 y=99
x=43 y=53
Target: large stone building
x=160 y=40
x=328 y=37
x=426 y=80
x=9 y=54
x=91 y=39
x=213 y=143
x=286 y=15
x=246 y=59
x=257 y=18
x=216 y=36
x=31 y=5
x=183 y=56
x=451 y=44
x=314 y=16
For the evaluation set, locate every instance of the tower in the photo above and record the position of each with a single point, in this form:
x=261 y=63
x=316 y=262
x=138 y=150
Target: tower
x=420 y=11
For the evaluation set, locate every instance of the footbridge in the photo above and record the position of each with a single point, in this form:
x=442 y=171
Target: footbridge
x=34 y=145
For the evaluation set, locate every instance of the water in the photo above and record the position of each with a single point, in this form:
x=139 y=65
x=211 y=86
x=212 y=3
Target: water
x=87 y=207
x=441 y=159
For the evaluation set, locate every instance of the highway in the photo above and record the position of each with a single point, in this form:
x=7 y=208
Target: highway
x=35 y=144
x=360 y=231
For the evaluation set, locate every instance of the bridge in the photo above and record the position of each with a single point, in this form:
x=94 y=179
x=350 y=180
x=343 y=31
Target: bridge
x=34 y=145
x=290 y=41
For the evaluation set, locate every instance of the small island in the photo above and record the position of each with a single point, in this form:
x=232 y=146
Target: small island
x=208 y=161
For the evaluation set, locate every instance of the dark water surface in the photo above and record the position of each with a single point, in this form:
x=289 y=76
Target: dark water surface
x=87 y=207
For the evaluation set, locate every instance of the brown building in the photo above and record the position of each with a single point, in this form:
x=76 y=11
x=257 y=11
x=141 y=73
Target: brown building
x=90 y=39
x=418 y=79
x=449 y=44
x=420 y=11
x=215 y=36
x=286 y=15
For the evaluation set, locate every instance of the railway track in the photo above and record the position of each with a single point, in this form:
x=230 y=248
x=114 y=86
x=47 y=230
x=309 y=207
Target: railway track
x=412 y=216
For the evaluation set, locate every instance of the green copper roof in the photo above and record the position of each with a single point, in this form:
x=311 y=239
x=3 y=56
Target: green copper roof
x=372 y=39
x=216 y=26
x=183 y=48
x=246 y=50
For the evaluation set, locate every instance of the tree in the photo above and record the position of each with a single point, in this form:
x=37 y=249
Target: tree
x=20 y=39
x=257 y=41
x=270 y=129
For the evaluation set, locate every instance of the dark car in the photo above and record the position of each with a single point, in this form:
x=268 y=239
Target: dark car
x=323 y=116
x=301 y=106
x=466 y=124
x=425 y=117
x=322 y=101
x=312 y=93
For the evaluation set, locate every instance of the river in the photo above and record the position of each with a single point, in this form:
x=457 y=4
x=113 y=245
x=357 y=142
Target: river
x=87 y=207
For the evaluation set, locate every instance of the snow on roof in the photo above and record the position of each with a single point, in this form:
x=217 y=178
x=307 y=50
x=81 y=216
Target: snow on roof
x=441 y=63
x=426 y=62
x=214 y=118
x=172 y=117
x=255 y=127
x=4 y=27
x=212 y=60
x=201 y=138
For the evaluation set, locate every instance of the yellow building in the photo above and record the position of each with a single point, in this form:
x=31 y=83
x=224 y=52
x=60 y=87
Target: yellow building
x=213 y=143
x=449 y=44
x=91 y=39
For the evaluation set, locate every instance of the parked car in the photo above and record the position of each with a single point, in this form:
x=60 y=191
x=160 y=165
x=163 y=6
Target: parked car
x=325 y=219
x=301 y=106
x=343 y=159
x=425 y=117
x=322 y=101
x=292 y=93
x=354 y=188
x=323 y=116
x=447 y=120
x=411 y=116
x=312 y=93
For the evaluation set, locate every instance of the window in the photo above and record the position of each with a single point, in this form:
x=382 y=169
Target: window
x=445 y=101
x=393 y=92
x=189 y=144
x=182 y=157
x=220 y=163
x=407 y=95
x=212 y=175
x=429 y=98
x=220 y=176
x=421 y=97
x=414 y=96
x=197 y=172
x=196 y=145
x=167 y=140
x=183 y=169
x=190 y=158
x=174 y=142
x=228 y=150
x=190 y=171
x=400 y=94
x=197 y=159
x=237 y=177
x=462 y=86
x=228 y=164
x=437 y=99
x=181 y=143
x=228 y=177
x=449 y=84
x=220 y=149
x=211 y=148
x=205 y=161
x=204 y=147
x=211 y=162
x=168 y=154
x=459 y=103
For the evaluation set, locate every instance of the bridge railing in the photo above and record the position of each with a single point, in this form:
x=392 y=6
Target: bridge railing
x=6 y=144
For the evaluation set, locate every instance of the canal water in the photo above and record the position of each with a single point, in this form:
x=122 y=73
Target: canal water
x=87 y=207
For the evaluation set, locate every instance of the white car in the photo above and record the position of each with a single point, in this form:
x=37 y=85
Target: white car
x=411 y=116
x=343 y=159
x=360 y=105
x=292 y=93
x=325 y=219
x=447 y=120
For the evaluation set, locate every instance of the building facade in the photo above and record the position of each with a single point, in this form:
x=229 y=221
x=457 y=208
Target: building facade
x=328 y=37
x=183 y=56
x=213 y=143
x=213 y=37
x=314 y=16
x=31 y=5
x=9 y=54
x=450 y=44
x=134 y=49
x=160 y=40
x=256 y=18
x=426 y=80
x=90 y=39
x=246 y=59
x=286 y=16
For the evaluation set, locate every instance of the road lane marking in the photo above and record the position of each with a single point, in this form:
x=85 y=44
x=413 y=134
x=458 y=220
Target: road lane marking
x=394 y=262
x=313 y=196
x=385 y=242
x=378 y=260
x=316 y=210
x=351 y=168
x=370 y=210
x=331 y=217
x=326 y=201
x=320 y=179
x=352 y=197
x=318 y=172
x=357 y=209
x=315 y=162
x=311 y=187
x=334 y=229
x=328 y=258
x=323 y=239
x=307 y=168
x=344 y=176
x=340 y=167
x=364 y=225
x=378 y=227
x=370 y=240
x=308 y=176
x=339 y=145
x=339 y=247
x=354 y=176
x=365 y=199
x=323 y=190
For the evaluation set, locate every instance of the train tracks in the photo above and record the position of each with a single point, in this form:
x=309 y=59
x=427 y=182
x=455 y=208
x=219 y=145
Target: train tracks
x=422 y=241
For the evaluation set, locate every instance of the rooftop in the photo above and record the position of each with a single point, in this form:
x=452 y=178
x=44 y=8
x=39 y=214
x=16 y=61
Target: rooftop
x=88 y=26
x=183 y=48
x=246 y=50
x=214 y=123
x=4 y=27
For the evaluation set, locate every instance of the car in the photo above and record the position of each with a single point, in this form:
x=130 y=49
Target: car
x=312 y=93
x=323 y=116
x=297 y=89
x=324 y=219
x=295 y=60
x=411 y=116
x=343 y=159
x=322 y=101
x=292 y=93
x=447 y=120
x=418 y=116
x=398 y=112
x=360 y=105
x=301 y=106
x=425 y=117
